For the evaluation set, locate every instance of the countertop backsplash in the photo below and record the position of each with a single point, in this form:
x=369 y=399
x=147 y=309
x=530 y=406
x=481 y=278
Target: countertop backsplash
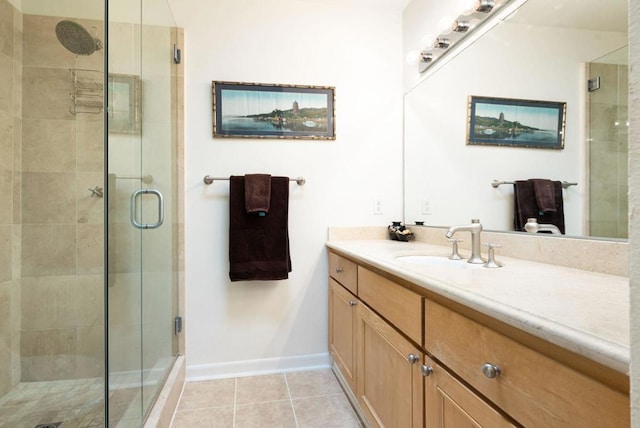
x=603 y=256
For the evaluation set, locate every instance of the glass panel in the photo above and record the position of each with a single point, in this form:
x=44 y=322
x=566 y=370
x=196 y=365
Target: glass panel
x=159 y=154
x=142 y=215
x=51 y=213
x=608 y=128
x=124 y=240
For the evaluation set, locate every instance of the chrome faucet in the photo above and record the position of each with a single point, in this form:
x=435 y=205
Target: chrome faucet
x=533 y=226
x=475 y=228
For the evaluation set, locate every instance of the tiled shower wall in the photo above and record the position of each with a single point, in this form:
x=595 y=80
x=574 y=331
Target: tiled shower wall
x=62 y=223
x=10 y=191
x=51 y=228
x=609 y=151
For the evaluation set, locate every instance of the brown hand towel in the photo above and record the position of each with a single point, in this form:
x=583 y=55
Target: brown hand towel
x=257 y=192
x=526 y=206
x=259 y=246
x=545 y=195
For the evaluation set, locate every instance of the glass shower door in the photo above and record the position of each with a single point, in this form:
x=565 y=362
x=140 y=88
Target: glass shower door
x=142 y=220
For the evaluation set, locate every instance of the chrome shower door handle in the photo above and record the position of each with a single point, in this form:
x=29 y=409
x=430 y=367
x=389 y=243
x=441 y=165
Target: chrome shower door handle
x=134 y=209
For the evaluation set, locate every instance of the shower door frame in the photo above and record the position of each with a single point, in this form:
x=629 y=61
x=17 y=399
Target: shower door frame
x=152 y=181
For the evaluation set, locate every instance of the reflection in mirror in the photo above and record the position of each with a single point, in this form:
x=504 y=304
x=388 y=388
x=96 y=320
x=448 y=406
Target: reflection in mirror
x=608 y=139
x=537 y=54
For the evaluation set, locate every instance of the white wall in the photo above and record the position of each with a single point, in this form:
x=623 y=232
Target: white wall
x=283 y=324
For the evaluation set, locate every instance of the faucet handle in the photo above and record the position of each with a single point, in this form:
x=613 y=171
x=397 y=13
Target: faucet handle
x=454 y=249
x=491 y=257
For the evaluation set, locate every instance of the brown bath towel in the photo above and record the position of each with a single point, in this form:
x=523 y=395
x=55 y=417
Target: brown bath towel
x=526 y=206
x=257 y=193
x=259 y=245
x=545 y=194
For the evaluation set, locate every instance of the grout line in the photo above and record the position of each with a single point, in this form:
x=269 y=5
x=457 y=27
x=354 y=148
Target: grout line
x=235 y=399
x=173 y=417
x=329 y=394
x=293 y=410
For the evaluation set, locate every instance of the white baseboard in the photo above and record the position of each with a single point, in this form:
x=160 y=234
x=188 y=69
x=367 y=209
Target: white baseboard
x=257 y=367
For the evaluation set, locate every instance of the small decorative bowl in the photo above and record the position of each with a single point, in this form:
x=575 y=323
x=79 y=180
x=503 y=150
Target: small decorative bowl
x=406 y=237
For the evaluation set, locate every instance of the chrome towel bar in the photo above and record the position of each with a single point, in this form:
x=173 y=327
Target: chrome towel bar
x=496 y=183
x=209 y=179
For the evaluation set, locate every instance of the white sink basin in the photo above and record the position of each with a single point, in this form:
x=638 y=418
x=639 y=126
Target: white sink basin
x=438 y=261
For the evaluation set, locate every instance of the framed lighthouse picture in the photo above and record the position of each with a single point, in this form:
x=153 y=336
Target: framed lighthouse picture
x=255 y=110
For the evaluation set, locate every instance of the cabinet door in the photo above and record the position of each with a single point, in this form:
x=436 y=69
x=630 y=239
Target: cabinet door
x=389 y=380
x=450 y=404
x=342 y=331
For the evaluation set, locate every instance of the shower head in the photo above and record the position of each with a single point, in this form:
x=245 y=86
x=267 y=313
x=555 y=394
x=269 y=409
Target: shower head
x=76 y=38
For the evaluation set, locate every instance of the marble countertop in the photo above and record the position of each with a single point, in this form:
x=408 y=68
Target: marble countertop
x=582 y=311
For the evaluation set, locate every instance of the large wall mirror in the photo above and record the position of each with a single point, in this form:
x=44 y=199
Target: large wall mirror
x=548 y=50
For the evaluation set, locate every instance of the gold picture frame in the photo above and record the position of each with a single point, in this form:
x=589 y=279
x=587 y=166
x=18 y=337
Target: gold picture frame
x=516 y=123
x=256 y=110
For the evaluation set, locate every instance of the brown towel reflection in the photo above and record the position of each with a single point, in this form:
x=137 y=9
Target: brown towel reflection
x=545 y=195
x=259 y=246
x=526 y=206
x=257 y=192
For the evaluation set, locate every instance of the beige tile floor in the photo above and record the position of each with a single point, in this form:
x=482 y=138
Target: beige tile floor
x=305 y=399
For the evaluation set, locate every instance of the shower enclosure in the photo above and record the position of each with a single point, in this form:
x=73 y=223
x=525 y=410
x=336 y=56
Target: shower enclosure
x=90 y=227
x=608 y=144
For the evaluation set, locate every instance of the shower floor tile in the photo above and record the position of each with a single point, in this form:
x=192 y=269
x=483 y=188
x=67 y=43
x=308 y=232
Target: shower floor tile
x=72 y=403
x=305 y=399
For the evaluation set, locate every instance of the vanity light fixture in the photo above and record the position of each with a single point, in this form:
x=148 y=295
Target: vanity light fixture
x=461 y=26
x=482 y=6
x=426 y=57
x=477 y=17
x=442 y=43
x=485 y=6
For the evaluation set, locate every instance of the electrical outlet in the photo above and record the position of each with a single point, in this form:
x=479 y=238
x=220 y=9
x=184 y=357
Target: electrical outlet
x=426 y=207
x=377 y=206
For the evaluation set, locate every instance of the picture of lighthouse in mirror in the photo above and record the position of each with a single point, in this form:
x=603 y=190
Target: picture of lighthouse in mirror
x=516 y=123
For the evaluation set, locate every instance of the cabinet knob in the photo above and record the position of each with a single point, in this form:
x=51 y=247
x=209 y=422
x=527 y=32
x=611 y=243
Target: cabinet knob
x=426 y=370
x=413 y=358
x=339 y=269
x=352 y=303
x=490 y=370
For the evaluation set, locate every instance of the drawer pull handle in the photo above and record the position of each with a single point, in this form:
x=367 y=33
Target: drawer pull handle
x=352 y=303
x=426 y=370
x=490 y=370
x=413 y=358
x=339 y=269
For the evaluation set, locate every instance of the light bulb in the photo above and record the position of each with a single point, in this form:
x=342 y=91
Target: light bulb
x=445 y=25
x=469 y=6
x=413 y=57
x=427 y=42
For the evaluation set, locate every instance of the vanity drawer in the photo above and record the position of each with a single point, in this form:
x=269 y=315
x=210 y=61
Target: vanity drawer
x=344 y=271
x=400 y=306
x=534 y=389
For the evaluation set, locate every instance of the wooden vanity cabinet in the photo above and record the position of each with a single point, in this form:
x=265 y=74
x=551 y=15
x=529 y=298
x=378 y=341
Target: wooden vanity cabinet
x=389 y=380
x=342 y=330
x=379 y=364
x=450 y=404
x=532 y=388
x=414 y=362
x=344 y=271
